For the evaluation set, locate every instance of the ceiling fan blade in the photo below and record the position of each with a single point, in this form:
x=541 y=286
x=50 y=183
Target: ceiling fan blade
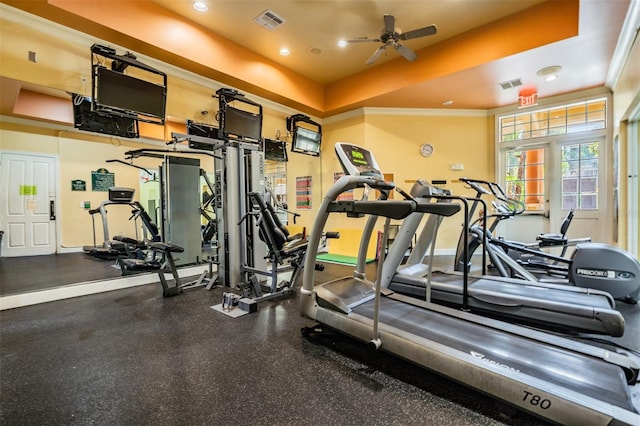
x=408 y=54
x=420 y=32
x=376 y=54
x=363 y=40
x=389 y=23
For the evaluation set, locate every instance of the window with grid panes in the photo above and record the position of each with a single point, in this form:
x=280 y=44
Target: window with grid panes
x=567 y=119
x=525 y=177
x=580 y=176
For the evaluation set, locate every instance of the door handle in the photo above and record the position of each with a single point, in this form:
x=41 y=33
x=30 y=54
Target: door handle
x=52 y=210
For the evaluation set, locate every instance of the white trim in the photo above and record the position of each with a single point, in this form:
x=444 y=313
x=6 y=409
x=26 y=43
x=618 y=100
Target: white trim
x=423 y=112
x=550 y=102
x=627 y=37
x=633 y=202
x=359 y=112
x=434 y=112
x=65 y=250
x=89 y=287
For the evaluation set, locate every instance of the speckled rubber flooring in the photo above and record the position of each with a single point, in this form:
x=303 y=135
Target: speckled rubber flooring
x=130 y=357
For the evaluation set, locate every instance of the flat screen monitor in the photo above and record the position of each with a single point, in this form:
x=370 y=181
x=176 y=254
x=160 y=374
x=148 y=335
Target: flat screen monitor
x=238 y=123
x=306 y=140
x=121 y=94
x=275 y=150
x=91 y=121
x=203 y=130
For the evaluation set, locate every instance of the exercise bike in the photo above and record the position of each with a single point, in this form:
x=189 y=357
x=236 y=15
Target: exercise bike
x=591 y=265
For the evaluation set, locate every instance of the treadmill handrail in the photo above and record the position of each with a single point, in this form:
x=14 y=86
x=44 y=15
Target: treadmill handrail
x=394 y=209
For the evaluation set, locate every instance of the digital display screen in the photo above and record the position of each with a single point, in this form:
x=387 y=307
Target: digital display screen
x=306 y=141
x=122 y=93
x=361 y=158
x=242 y=124
x=275 y=150
x=357 y=161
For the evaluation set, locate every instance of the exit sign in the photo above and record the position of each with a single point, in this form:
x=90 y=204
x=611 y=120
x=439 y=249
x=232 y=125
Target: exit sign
x=527 y=98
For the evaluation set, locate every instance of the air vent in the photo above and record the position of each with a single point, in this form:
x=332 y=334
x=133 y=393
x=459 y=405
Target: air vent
x=269 y=20
x=510 y=84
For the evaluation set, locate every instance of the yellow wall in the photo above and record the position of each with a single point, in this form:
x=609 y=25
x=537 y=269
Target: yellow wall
x=395 y=138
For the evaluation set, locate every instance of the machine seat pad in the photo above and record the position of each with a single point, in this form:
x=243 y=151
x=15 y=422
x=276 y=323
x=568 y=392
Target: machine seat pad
x=294 y=246
x=166 y=247
x=551 y=239
x=128 y=240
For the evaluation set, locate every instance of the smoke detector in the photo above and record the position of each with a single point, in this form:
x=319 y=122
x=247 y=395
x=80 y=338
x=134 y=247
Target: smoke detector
x=269 y=19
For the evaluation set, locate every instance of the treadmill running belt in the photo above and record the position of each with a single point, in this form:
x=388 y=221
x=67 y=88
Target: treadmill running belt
x=585 y=375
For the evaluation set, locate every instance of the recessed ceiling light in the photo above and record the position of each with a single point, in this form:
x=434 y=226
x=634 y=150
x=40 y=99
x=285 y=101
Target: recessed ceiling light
x=200 y=6
x=549 y=73
x=447 y=103
x=342 y=43
x=284 y=51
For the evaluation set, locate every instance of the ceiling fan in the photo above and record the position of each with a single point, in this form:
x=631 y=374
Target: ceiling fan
x=391 y=36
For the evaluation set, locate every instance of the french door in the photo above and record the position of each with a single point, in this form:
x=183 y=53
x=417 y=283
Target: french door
x=553 y=177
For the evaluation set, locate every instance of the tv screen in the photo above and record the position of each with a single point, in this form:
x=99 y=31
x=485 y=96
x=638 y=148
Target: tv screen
x=121 y=94
x=203 y=130
x=242 y=124
x=86 y=119
x=275 y=150
x=306 y=141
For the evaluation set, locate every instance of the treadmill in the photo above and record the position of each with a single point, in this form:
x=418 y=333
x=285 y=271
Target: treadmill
x=549 y=376
x=110 y=249
x=551 y=306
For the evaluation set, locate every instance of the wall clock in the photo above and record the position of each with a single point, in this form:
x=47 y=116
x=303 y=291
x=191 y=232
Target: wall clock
x=426 y=150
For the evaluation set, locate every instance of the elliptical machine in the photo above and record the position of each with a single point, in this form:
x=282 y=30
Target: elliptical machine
x=591 y=265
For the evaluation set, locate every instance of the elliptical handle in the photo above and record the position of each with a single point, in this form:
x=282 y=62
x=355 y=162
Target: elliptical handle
x=476 y=185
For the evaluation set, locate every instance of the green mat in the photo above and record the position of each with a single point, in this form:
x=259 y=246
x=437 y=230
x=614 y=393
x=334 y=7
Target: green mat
x=339 y=259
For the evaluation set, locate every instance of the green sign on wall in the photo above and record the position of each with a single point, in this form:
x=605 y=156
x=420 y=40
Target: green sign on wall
x=78 y=185
x=102 y=180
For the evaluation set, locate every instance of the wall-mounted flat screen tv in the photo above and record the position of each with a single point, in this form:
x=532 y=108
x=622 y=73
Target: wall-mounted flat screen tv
x=241 y=123
x=275 y=150
x=91 y=121
x=306 y=140
x=121 y=94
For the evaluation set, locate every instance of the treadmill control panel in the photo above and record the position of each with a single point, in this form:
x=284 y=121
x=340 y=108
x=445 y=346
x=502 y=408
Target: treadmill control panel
x=357 y=161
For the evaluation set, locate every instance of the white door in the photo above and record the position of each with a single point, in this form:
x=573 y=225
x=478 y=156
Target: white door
x=579 y=182
x=524 y=179
x=27 y=204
